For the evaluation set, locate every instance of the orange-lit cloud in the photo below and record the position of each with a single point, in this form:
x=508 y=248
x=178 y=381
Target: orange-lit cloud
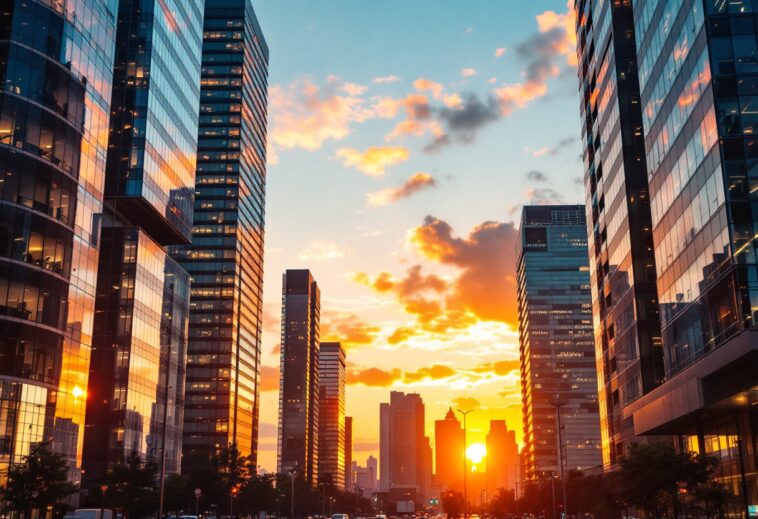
x=429 y=375
x=427 y=85
x=374 y=160
x=465 y=402
x=565 y=23
x=400 y=335
x=468 y=72
x=499 y=52
x=354 y=89
x=269 y=380
x=321 y=251
x=486 y=286
x=348 y=329
x=418 y=182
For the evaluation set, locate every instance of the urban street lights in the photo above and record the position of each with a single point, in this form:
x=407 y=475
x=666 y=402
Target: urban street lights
x=233 y=493
x=103 y=490
x=323 y=499
x=198 y=492
x=292 y=492
x=558 y=404
x=465 y=490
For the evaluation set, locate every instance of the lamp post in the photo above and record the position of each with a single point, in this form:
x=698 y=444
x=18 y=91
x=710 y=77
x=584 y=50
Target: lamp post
x=103 y=490
x=558 y=404
x=323 y=499
x=292 y=493
x=233 y=493
x=198 y=492
x=465 y=490
x=331 y=502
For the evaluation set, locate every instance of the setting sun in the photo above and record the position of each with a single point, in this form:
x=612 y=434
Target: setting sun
x=476 y=452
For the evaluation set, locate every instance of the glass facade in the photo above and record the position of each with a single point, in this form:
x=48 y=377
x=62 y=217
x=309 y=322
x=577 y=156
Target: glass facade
x=56 y=63
x=557 y=353
x=225 y=258
x=698 y=75
x=138 y=356
x=139 y=349
x=617 y=205
x=153 y=139
x=299 y=375
x=331 y=414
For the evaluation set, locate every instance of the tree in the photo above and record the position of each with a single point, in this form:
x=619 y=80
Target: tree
x=503 y=503
x=452 y=503
x=233 y=471
x=651 y=476
x=39 y=481
x=131 y=487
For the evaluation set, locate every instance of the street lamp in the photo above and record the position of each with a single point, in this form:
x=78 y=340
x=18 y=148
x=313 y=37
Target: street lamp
x=233 y=493
x=103 y=490
x=465 y=490
x=323 y=499
x=198 y=492
x=558 y=404
x=292 y=492
x=331 y=502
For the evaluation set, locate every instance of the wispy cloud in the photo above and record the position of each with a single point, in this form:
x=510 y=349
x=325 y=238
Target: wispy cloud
x=374 y=160
x=418 y=182
x=536 y=176
x=386 y=79
x=347 y=328
x=468 y=72
x=321 y=251
x=499 y=52
x=434 y=374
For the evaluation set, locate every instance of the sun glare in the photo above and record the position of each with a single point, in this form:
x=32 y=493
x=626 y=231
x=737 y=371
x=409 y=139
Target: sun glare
x=476 y=452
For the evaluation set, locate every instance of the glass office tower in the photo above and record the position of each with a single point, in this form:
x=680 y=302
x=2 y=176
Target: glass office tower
x=225 y=258
x=298 y=376
x=331 y=414
x=56 y=62
x=557 y=354
x=139 y=346
x=617 y=205
x=698 y=73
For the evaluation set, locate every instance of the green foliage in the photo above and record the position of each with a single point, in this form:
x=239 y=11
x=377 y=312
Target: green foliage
x=132 y=487
x=41 y=480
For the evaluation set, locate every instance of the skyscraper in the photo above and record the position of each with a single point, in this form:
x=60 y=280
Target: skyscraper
x=349 y=476
x=697 y=75
x=372 y=465
x=53 y=144
x=448 y=442
x=331 y=415
x=298 y=375
x=555 y=335
x=622 y=263
x=403 y=444
x=139 y=343
x=502 y=458
x=384 y=447
x=225 y=259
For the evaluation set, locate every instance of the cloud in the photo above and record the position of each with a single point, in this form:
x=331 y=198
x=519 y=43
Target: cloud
x=386 y=79
x=321 y=251
x=465 y=402
x=564 y=23
x=486 y=286
x=433 y=374
x=554 y=150
x=373 y=377
x=536 y=176
x=269 y=380
x=500 y=368
x=544 y=196
x=499 y=52
x=400 y=335
x=304 y=115
x=374 y=160
x=468 y=72
x=427 y=85
x=267 y=430
x=418 y=182
x=348 y=329
x=277 y=349
x=463 y=121
x=365 y=446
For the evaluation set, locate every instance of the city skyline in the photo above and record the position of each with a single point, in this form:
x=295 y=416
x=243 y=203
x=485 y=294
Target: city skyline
x=340 y=88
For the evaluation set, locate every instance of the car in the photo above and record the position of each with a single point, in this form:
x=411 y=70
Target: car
x=380 y=516
x=340 y=516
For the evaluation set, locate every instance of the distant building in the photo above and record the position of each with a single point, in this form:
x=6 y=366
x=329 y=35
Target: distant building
x=502 y=458
x=298 y=375
x=373 y=466
x=331 y=415
x=448 y=441
x=555 y=338
x=384 y=447
x=349 y=477
x=404 y=446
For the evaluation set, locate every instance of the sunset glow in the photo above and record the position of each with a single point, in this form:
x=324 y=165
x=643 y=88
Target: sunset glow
x=476 y=452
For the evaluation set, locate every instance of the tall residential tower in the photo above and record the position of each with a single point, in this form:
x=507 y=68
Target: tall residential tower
x=331 y=415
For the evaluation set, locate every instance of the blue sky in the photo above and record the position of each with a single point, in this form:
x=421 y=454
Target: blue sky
x=509 y=123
